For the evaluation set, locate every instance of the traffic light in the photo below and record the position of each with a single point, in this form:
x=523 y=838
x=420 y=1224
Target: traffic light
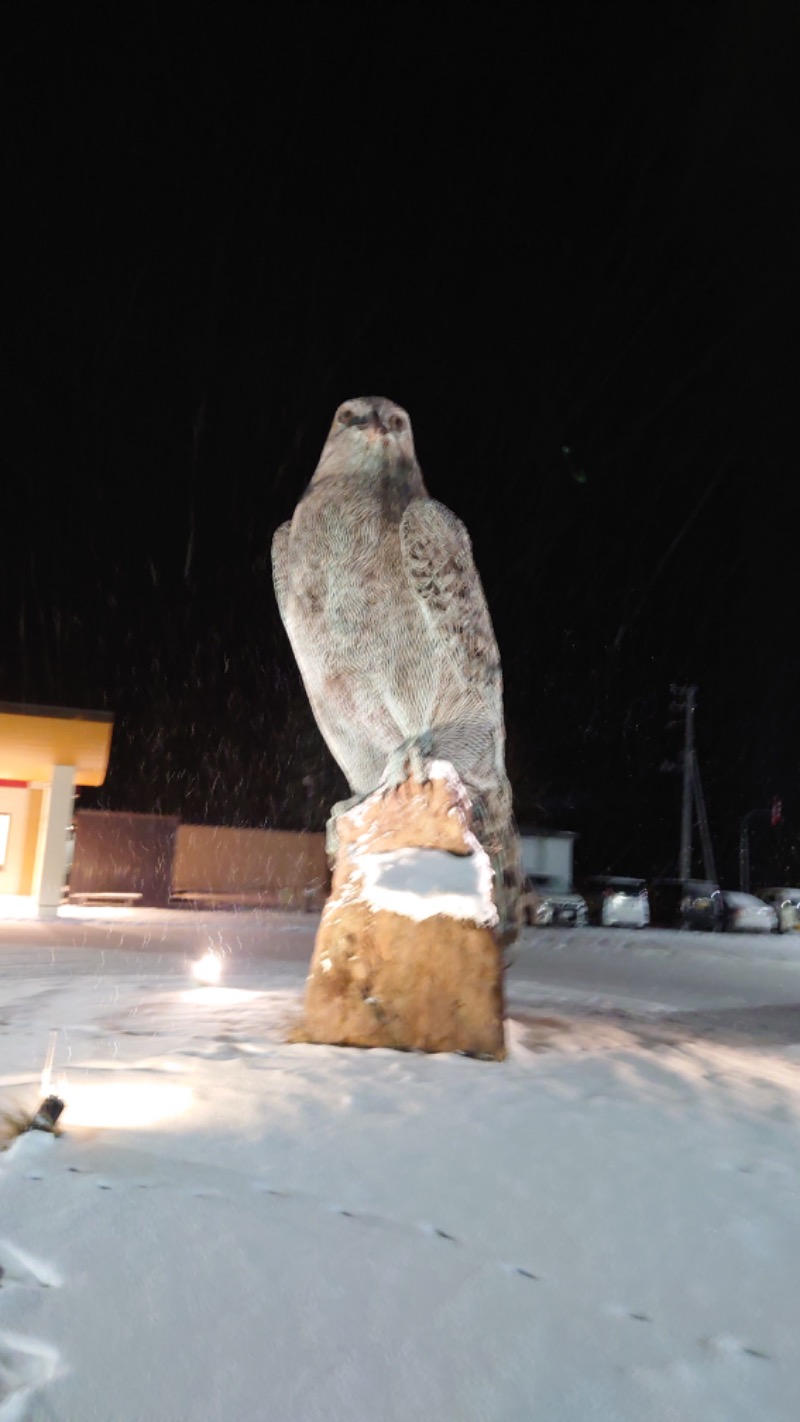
x=776 y=814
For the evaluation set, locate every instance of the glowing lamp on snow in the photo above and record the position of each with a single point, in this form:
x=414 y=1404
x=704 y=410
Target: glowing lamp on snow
x=46 y=1118
x=208 y=969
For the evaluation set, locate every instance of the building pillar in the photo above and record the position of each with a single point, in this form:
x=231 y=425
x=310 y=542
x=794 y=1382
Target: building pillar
x=57 y=811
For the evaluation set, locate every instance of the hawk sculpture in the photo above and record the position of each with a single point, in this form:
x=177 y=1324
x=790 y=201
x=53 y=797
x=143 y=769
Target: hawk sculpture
x=387 y=618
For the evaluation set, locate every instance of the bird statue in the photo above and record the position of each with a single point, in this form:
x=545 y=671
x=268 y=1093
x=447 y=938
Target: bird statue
x=387 y=618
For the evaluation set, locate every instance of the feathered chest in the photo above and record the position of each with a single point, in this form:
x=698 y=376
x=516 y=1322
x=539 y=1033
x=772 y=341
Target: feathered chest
x=346 y=565
x=359 y=588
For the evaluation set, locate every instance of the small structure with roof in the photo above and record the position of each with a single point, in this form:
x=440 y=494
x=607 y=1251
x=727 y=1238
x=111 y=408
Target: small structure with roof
x=546 y=854
x=45 y=752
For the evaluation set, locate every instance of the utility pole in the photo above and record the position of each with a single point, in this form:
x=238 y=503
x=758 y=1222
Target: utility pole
x=685 y=862
x=684 y=704
x=705 y=837
x=744 y=852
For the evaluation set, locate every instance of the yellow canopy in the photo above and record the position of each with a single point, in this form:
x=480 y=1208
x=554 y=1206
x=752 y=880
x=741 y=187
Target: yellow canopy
x=35 y=738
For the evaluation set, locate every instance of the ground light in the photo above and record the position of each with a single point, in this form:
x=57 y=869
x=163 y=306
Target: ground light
x=121 y=1105
x=208 y=969
x=46 y=1118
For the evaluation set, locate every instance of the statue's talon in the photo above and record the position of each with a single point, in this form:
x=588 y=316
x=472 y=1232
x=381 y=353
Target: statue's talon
x=409 y=759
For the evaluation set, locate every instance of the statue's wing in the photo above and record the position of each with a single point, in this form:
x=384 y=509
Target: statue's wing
x=280 y=565
x=437 y=558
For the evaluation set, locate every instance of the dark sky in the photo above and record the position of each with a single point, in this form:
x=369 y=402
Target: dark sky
x=562 y=235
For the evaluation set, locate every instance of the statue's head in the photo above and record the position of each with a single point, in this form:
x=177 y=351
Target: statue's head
x=368 y=434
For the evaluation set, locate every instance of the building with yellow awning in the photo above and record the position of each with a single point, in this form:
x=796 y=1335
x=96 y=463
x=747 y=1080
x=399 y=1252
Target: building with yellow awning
x=45 y=752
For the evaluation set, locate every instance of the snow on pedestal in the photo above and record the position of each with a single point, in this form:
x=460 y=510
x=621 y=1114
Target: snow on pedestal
x=406 y=954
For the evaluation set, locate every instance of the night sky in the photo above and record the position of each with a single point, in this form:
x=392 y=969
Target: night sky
x=561 y=235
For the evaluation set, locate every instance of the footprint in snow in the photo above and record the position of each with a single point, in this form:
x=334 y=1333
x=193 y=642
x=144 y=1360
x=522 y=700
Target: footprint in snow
x=729 y=1347
x=523 y=1273
x=25 y=1364
x=620 y=1311
x=436 y=1233
x=25 y=1270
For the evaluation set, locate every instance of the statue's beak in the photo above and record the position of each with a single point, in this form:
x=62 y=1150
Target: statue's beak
x=375 y=424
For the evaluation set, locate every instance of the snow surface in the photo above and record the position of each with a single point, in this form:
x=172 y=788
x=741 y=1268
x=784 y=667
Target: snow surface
x=420 y=883
x=603 y=1228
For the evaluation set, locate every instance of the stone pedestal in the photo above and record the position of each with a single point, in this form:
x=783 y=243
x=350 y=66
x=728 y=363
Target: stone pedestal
x=406 y=954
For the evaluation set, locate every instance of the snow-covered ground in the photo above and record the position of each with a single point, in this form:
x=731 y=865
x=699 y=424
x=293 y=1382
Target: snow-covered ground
x=603 y=1228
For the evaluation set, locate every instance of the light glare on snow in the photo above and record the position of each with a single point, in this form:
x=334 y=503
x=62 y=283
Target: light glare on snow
x=123 y=1105
x=208 y=969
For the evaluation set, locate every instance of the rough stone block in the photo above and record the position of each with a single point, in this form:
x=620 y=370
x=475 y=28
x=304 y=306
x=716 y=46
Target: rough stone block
x=406 y=954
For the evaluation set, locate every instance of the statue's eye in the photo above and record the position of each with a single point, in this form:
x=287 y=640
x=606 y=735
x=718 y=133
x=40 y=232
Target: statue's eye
x=345 y=415
x=396 y=423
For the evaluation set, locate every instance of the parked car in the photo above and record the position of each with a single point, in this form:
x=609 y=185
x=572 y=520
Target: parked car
x=617 y=902
x=547 y=906
x=744 y=913
x=786 y=903
x=694 y=904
